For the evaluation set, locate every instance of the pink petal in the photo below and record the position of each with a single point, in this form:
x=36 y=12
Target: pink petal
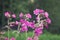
x=6 y=38
x=35 y=38
x=28 y=15
x=48 y=20
x=41 y=11
x=13 y=16
x=29 y=38
x=21 y=14
x=36 y=11
x=12 y=38
x=17 y=22
x=7 y=14
x=46 y=14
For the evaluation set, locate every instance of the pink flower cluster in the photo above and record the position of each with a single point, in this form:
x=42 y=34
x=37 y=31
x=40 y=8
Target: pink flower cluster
x=38 y=31
x=37 y=11
x=42 y=12
x=8 y=15
x=42 y=20
x=34 y=38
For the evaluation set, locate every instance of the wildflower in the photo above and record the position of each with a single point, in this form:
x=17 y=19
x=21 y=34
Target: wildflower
x=12 y=38
x=22 y=20
x=32 y=25
x=48 y=20
x=29 y=38
x=7 y=14
x=38 y=31
x=23 y=24
x=36 y=11
x=41 y=11
x=16 y=22
x=28 y=15
x=6 y=38
x=21 y=14
x=24 y=28
x=13 y=16
x=46 y=14
x=35 y=38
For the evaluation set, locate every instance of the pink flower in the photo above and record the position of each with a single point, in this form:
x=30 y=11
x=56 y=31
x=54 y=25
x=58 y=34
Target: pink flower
x=24 y=28
x=35 y=38
x=26 y=23
x=36 y=11
x=16 y=22
x=32 y=25
x=23 y=25
x=28 y=15
x=21 y=14
x=13 y=16
x=38 y=31
x=46 y=14
x=48 y=20
x=12 y=38
x=6 y=38
x=29 y=38
x=7 y=14
x=41 y=11
x=22 y=20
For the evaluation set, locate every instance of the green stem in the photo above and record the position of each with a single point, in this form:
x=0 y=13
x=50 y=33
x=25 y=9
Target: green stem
x=17 y=35
x=8 y=29
x=26 y=35
x=33 y=34
x=18 y=30
x=8 y=34
x=19 y=27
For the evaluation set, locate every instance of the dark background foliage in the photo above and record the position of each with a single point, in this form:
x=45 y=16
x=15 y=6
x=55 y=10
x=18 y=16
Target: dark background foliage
x=25 y=6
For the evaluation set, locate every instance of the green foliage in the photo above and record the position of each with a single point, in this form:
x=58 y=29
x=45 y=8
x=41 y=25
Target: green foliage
x=45 y=36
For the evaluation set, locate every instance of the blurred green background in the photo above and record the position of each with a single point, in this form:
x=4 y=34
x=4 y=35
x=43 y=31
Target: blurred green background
x=25 y=6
